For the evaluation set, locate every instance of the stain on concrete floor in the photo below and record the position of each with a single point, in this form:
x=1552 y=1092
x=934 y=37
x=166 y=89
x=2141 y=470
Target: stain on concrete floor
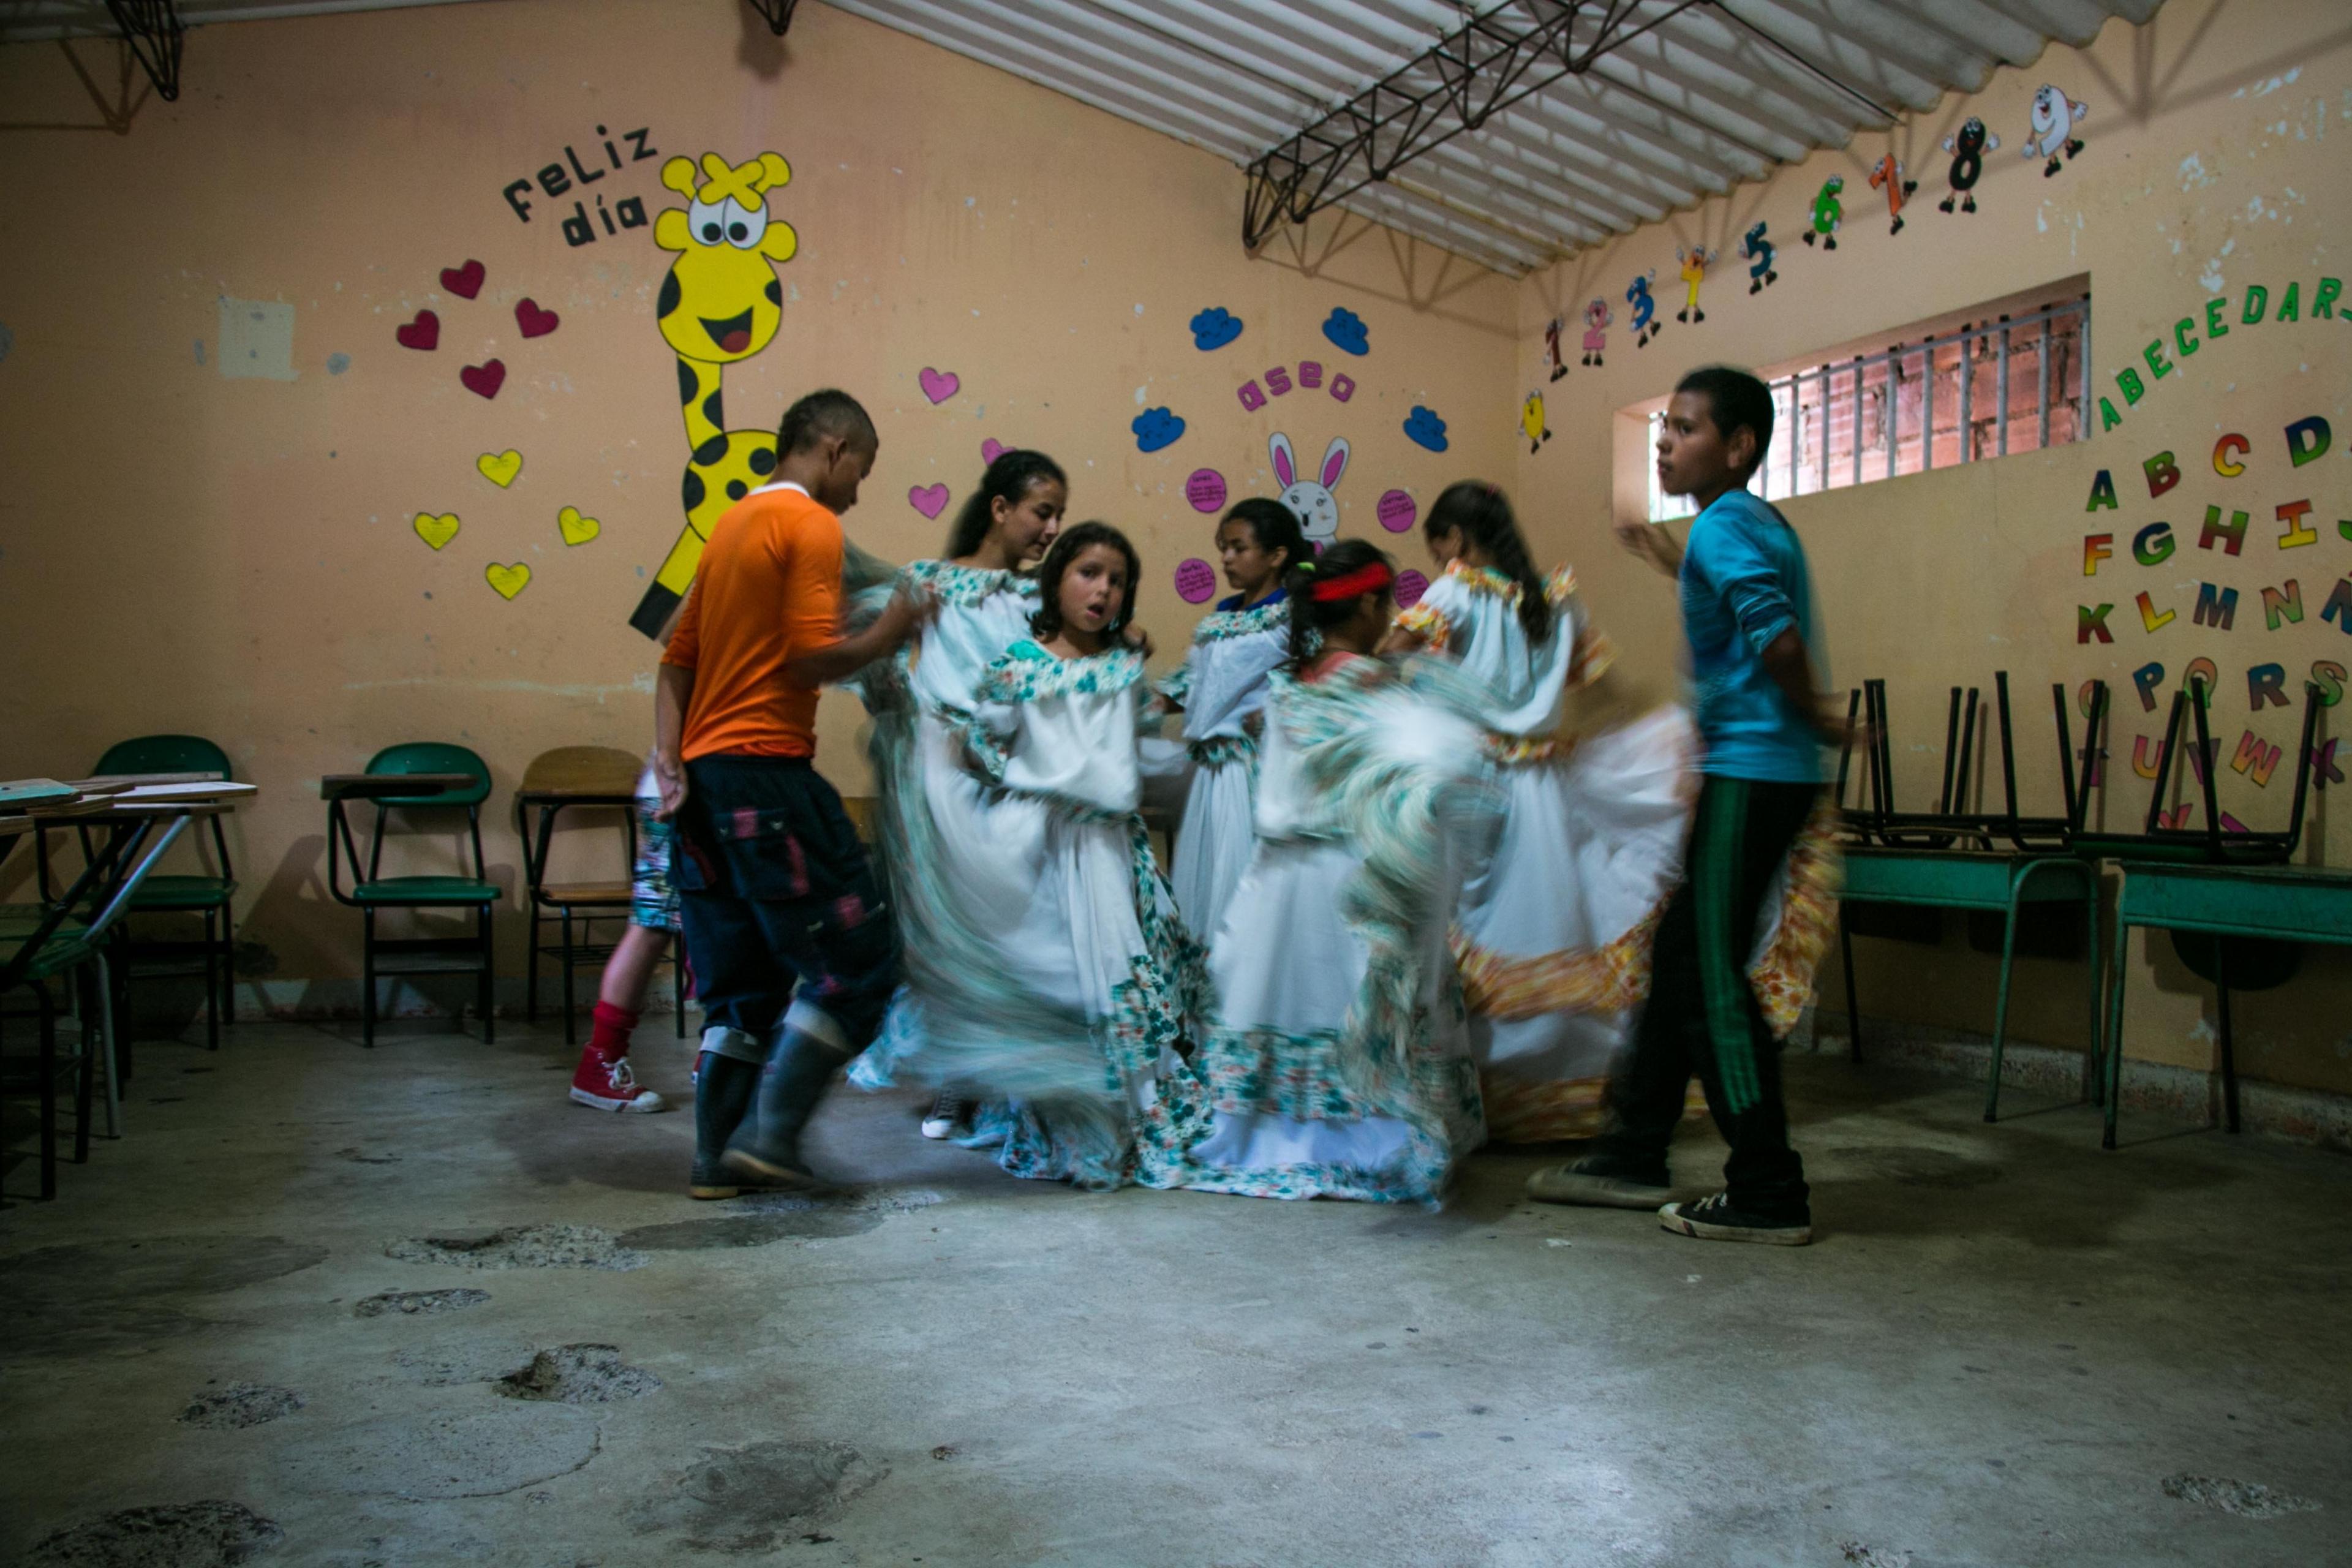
x=209 y=1534
x=2249 y=1498
x=459 y=1454
x=521 y=1246
x=451 y=1362
x=756 y=1497
x=419 y=1302
x=118 y=1295
x=579 y=1374
x=240 y=1404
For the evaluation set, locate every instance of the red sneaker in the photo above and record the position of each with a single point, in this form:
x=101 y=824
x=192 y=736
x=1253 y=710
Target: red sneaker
x=609 y=1085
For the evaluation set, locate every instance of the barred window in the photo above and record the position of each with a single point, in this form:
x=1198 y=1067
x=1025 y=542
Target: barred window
x=2012 y=377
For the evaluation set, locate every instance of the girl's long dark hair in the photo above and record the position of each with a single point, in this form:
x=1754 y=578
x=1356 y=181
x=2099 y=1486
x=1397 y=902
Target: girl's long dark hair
x=1308 y=618
x=1008 y=479
x=1275 y=526
x=1066 y=545
x=1482 y=514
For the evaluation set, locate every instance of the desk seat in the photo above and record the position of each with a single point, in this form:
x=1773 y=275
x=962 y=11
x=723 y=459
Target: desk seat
x=183 y=892
x=402 y=890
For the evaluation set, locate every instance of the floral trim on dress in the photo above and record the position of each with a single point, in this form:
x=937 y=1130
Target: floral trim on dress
x=1220 y=751
x=1026 y=672
x=1269 y=613
x=1428 y=623
x=954 y=585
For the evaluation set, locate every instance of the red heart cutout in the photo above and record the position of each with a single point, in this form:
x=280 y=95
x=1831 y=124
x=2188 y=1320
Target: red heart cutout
x=484 y=380
x=425 y=332
x=464 y=281
x=534 y=322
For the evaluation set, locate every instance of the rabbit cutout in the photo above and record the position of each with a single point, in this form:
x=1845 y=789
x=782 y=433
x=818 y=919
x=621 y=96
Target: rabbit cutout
x=1310 y=501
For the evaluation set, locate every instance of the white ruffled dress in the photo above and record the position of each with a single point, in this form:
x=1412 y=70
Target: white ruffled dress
x=1552 y=925
x=1220 y=687
x=1077 y=978
x=1338 y=1063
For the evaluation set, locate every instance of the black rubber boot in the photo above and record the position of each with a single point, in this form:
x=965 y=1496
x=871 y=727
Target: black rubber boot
x=767 y=1146
x=723 y=1091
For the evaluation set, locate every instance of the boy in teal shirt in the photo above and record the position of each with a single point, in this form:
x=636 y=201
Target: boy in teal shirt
x=1746 y=603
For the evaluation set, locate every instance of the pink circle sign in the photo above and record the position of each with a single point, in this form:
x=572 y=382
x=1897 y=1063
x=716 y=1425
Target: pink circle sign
x=1196 y=580
x=1205 y=490
x=1410 y=586
x=1396 y=509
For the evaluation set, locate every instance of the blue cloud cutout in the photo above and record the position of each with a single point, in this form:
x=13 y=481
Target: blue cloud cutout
x=1214 y=328
x=1347 y=330
x=1157 y=428
x=1423 y=428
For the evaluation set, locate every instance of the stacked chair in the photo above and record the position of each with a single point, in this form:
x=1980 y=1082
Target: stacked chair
x=2228 y=896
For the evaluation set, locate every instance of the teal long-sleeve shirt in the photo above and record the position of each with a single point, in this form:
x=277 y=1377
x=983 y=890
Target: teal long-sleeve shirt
x=1743 y=582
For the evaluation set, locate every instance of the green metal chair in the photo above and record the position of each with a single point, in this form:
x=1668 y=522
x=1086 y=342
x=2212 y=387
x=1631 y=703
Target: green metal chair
x=378 y=892
x=2224 y=884
x=210 y=897
x=63 y=939
x=1975 y=874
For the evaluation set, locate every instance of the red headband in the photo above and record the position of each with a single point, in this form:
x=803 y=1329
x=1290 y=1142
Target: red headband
x=1367 y=579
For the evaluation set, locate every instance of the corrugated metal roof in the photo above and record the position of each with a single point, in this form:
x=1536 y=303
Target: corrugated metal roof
x=1713 y=94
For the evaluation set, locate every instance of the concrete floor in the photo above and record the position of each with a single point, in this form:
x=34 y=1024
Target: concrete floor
x=2001 y=1349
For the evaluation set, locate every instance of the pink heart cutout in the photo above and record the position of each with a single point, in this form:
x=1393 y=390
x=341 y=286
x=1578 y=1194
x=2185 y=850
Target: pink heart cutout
x=939 y=385
x=463 y=281
x=534 y=322
x=425 y=332
x=929 y=499
x=484 y=380
x=992 y=449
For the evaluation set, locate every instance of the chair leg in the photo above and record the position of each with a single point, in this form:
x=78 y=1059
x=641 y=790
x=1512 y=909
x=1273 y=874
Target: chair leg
x=482 y=1001
x=48 y=1088
x=530 y=969
x=86 y=1067
x=2091 y=961
x=2000 y=1001
x=2114 y=1051
x=569 y=1024
x=212 y=985
x=367 y=979
x=119 y=1000
x=2229 y=1048
x=229 y=966
x=1852 y=1009
x=113 y=1074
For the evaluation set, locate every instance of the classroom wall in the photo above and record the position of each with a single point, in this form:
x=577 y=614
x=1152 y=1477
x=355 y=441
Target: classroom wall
x=2212 y=166
x=242 y=502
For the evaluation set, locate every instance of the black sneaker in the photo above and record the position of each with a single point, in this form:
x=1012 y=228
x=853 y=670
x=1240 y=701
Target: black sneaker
x=949 y=1114
x=1591 y=1183
x=1713 y=1220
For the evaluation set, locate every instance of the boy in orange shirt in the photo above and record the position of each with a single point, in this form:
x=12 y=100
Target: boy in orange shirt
x=775 y=889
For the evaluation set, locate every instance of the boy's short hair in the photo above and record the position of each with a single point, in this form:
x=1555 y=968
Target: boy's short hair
x=1736 y=400
x=830 y=411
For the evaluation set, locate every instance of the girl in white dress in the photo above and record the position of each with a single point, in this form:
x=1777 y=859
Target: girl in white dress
x=944 y=862
x=1551 y=932
x=1338 y=1060
x=1221 y=690
x=1068 y=1026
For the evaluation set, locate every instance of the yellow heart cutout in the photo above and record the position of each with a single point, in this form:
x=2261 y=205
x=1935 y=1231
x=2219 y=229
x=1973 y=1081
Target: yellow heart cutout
x=499 y=468
x=507 y=580
x=435 y=531
x=577 y=529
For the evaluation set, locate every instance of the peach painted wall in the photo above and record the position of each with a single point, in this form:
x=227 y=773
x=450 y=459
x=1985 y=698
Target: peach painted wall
x=184 y=548
x=2213 y=160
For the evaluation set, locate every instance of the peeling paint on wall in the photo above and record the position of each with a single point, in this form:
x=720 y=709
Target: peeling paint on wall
x=256 y=340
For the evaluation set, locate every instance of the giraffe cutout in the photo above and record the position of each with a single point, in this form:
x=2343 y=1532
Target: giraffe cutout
x=720 y=304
